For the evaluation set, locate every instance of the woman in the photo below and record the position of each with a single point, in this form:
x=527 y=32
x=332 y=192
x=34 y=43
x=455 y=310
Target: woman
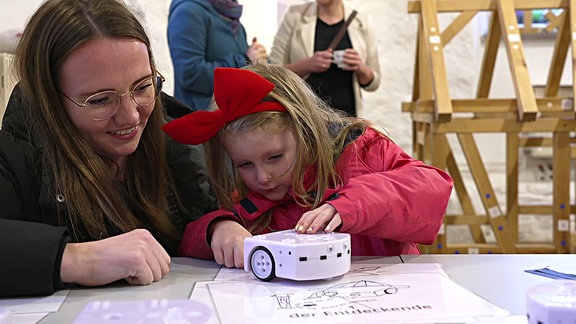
x=203 y=35
x=92 y=190
x=293 y=163
x=302 y=44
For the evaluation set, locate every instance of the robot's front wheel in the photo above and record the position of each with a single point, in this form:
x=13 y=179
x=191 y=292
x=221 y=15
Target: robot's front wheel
x=262 y=264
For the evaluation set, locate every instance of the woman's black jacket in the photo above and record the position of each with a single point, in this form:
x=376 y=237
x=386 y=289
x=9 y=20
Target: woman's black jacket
x=31 y=239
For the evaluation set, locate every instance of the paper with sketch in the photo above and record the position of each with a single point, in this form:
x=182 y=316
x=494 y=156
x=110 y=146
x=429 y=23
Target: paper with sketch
x=368 y=293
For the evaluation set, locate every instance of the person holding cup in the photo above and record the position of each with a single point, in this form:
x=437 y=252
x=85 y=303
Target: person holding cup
x=336 y=73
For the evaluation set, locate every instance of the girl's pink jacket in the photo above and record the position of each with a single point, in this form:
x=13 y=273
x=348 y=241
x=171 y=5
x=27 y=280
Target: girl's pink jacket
x=389 y=202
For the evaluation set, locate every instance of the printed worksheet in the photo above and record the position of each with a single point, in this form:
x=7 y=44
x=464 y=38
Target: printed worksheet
x=415 y=293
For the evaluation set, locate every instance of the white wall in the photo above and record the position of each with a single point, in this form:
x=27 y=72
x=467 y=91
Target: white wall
x=13 y=14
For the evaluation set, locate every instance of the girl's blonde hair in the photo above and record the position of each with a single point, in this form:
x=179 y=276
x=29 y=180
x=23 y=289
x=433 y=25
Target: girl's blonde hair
x=320 y=133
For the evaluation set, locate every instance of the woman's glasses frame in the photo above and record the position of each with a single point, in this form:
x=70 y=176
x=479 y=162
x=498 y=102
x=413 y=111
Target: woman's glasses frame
x=157 y=81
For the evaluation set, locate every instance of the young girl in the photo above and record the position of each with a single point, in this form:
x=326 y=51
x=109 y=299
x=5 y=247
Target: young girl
x=280 y=159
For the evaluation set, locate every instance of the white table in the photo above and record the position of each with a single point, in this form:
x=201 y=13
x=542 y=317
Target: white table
x=499 y=279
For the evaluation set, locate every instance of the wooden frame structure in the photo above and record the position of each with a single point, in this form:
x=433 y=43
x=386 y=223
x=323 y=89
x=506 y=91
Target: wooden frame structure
x=435 y=115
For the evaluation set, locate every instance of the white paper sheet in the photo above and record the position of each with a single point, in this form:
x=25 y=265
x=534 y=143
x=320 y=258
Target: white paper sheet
x=37 y=305
x=27 y=318
x=368 y=293
x=32 y=310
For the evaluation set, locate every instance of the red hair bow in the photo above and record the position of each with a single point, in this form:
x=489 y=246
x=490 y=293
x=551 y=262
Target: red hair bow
x=237 y=92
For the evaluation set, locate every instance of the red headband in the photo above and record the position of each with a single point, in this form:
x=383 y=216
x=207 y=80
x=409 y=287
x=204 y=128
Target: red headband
x=237 y=92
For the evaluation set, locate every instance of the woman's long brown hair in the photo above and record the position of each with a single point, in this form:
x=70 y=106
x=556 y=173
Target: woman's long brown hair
x=84 y=179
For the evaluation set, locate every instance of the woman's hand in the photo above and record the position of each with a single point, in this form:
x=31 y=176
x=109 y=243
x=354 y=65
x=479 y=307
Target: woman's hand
x=324 y=218
x=256 y=52
x=228 y=243
x=135 y=256
x=320 y=62
x=353 y=62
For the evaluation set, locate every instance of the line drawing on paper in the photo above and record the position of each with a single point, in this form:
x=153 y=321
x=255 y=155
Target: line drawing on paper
x=347 y=294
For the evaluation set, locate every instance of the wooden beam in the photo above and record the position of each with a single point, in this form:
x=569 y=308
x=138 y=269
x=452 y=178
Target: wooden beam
x=419 y=61
x=456 y=26
x=527 y=28
x=558 y=58
x=466 y=219
x=489 y=59
x=497 y=125
x=512 y=179
x=433 y=43
x=554 y=22
x=572 y=19
x=462 y=192
x=535 y=142
x=487 y=194
x=527 y=108
x=548 y=107
x=415 y=6
x=474 y=248
x=561 y=191
x=424 y=76
x=544 y=210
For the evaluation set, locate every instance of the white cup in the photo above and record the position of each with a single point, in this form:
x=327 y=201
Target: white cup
x=338 y=58
x=553 y=302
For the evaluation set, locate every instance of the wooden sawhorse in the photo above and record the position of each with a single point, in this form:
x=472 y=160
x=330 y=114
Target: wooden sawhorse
x=435 y=115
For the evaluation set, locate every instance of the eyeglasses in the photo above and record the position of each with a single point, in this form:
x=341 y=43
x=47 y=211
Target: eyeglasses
x=105 y=104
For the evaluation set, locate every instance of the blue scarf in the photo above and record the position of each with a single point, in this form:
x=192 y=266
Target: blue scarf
x=229 y=9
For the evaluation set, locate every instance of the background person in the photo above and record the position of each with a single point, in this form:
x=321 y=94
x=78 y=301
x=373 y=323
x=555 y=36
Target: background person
x=203 y=35
x=293 y=163
x=92 y=190
x=301 y=45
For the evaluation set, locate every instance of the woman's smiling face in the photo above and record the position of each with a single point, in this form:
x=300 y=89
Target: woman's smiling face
x=105 y=64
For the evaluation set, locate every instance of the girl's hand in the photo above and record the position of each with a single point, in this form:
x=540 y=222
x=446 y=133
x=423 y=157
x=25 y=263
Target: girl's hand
x=228 y=243
x=324 y=218
x=135 y=256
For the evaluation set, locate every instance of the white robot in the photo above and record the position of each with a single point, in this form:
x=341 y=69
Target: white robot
x=289 y=255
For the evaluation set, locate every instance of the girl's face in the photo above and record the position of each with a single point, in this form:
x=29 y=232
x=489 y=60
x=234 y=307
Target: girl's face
x=264 y=160
x=105 y=64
